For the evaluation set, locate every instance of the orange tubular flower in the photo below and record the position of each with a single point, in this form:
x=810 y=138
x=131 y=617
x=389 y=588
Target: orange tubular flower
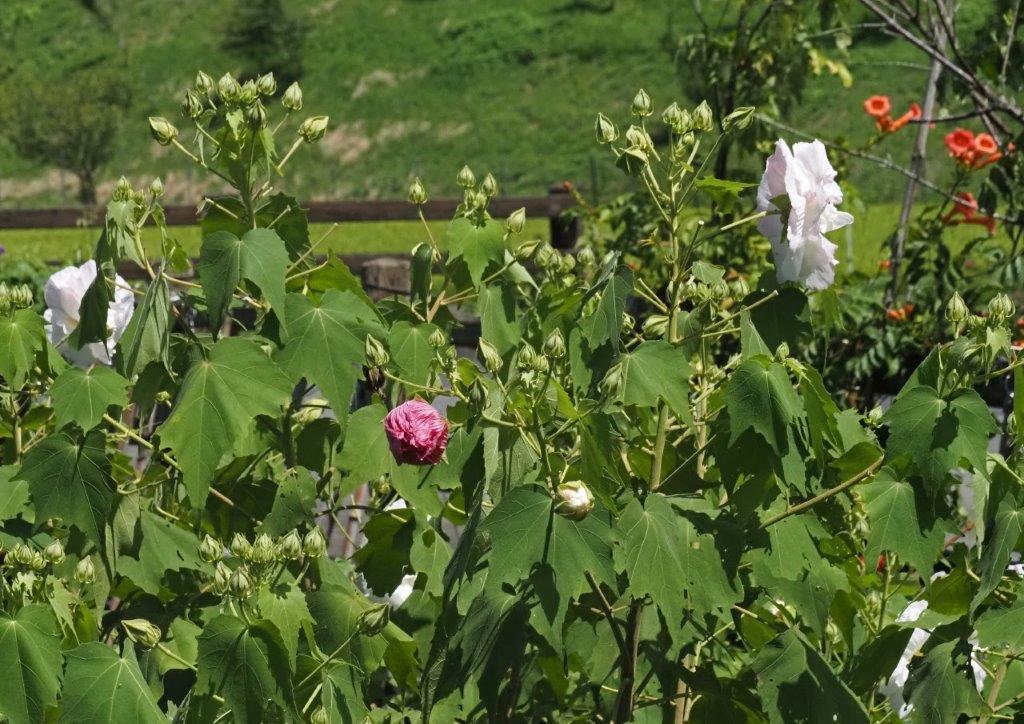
x=960 y=144
x=985 y=145
x=912 y=114
x=878 y=106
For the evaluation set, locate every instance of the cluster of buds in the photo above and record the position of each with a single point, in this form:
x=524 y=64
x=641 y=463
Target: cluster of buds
x=900 y=314
x=15 y=296
x=974 y=151
x=879 y=107
x=475 y=196
x=965 y=211
x=445 y=355
x=24 y=557
x=258 y=558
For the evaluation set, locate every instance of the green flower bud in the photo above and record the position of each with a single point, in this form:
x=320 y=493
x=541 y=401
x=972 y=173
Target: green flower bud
x=554 y=345
x=417 y=194
x=210 y=550
x=874 y=416
x=703 y=119
x=249 y=94
x=567 y=263
x=376 y=355
x=291 y=545
x=381 y=486
x=782 y=351
x=641 y=106
x=85 y=571
x=546 y=257
x=586 y=257
x=221 y=578
x=240 y=583
x=142 y=632
x=264 y=551
x=266 y=84
x=1000 y=308
x=466 y=179
x=319 y=716
x=204 y=83
x=540 y=364
x=156 y=188
x=720 y=289
x=38 y=563
x=516 y=221
x=54 y=552
x=655 y=326
x=313 y=544
x=192 y=106
x=612 y=383
x=256 y=114
x=476 y=200
x=525 y=357
x=313 y=128
x=574 y=500
x=123 y=190
x=489 y=356
x=374 y=619
x=605 y=130
x=673 y=118
x=956 y=309
x=489 y=186
x=636 y=137
x=739 y=119
x=240 y=546
x=292 y=98
x=162 y=130
x=628 y=323
x=228 y=88
x=437 y=339
x=526 y=250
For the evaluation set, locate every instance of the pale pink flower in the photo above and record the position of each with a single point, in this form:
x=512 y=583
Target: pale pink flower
x=417 y=433
x=64 y=292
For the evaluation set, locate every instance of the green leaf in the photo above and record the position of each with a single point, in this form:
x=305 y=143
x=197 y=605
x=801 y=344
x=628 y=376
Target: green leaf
x=796 y=684
x=69 y=478
x=384 y=556
x=656 y=370
x=998 y=546
x=499 y=321
x=294 y=501
x=100 y=686
x=224 y=260
x=941 y=686
x=22 y=335
x=719 y=189
x=411 y=351
x=605 y=324
x=83 y=396
x=901 y=522
x=217 y=406
x=784 y=318
x=30 y=663
x=1002 y=627
x=245 y=663
x=760 y=397
x=164 y=547
x=147 y=337
x=665 y=558
x=326 y=343
x=285 y=605
x=482 y=248
x=936 y=434
x=14 y=496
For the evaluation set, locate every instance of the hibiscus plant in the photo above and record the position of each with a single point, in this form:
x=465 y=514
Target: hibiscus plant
x=258 y=495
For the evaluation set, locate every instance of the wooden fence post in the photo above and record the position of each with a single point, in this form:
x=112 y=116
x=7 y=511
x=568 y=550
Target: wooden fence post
x=386 y=277
x=564 y=231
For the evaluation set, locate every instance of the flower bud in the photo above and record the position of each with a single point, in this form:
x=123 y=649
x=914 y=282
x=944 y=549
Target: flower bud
x=85 y=571
x=703 y=119
x=374 y=619
x=526 y=250
x=605 y=130
x=641 y=106
x=266 y=84
x=417 y=194
x=437 y=339
x=142 y=632
x=156 y=188
x=210 y=550
x=313 y=128
x=319 y=716
x=539 y=363
x=291 y=545
x=489 y=356
x=875 y=416
x=240 y=546
x=574 y=500
x=292 y=98
x=546 y=257
x=739 y=119
x=256 y=114
x=162 y=130
x=54 y=552
x=636 y=137
x=38 y=563
x=554 y=345
x=524 y=360
x=204 y=83
x=782 y=351
x=376 y=355
x=465 y=179
x=673 y=118
x=489 y=186
x=192 y=106
x=586 y=257
x=240 y=583
x=221 y=578
x=249 y=94
x=655 y=326
x=264 y=551
x=19 y=555
x=1000 y=308
x=516 y=221
x=228 y=88
x=628 y=323
x=566 y=263
x=123 y=190
x=313 y=544
x=956 y=309
x=612 y=383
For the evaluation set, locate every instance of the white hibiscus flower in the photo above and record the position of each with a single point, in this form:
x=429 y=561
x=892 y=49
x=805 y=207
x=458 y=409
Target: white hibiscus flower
x=806 y=178
x=64 y=292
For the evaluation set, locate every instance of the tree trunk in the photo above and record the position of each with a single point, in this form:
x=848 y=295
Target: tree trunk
x=86 y=187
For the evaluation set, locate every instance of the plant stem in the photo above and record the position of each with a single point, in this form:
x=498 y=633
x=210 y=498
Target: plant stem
x=801 y=507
